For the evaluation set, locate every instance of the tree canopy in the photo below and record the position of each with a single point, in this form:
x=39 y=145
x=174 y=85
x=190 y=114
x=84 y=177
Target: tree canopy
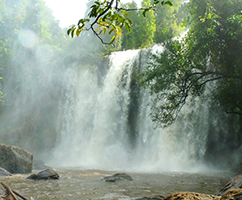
x=208 y=58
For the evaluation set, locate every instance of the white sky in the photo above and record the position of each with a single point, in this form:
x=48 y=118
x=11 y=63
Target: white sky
x=68 y=12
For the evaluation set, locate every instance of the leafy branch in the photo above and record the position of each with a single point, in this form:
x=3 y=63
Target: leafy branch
x=108 y=17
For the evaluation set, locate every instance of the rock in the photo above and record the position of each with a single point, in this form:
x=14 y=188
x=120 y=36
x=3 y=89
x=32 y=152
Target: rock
x=191 y=196
x=44 y=175
x=157 y=197
x=15 y=160
x=231 y=191
x=235 y=183
x=118 y=177
x=4 y=172
x=235 y=194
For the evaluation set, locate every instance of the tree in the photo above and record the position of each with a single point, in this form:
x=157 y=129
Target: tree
x=129 y=38
x=208 y=57
x=142 y=33
x=110 y=18
x=148 y=25
x=167 y=21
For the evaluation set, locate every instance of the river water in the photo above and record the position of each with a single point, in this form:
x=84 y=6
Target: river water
x=87 y=184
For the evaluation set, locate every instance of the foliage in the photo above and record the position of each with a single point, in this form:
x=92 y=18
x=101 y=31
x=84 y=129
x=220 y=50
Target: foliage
x=142 y=33
x=158 y=25
x=168 y=23
x=30 y=36
x=149 y=27
x=129 y=38
x=208 y=57
x=109 y=18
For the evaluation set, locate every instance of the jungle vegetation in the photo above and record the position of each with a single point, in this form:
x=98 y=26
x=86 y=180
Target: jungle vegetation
x=208 y=59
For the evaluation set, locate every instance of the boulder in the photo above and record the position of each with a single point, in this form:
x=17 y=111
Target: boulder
x=235 y=194
x=157 y=197
x=235 y=183
x=15 y=160
x=44 y=175
x=118 y=177
x=191 y=196
x=4 y=172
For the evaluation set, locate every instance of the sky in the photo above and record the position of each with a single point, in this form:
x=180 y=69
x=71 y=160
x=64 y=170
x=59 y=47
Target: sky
x=68 y=12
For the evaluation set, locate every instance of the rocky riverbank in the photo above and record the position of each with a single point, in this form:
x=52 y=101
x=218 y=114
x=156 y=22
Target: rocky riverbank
x=19 y=161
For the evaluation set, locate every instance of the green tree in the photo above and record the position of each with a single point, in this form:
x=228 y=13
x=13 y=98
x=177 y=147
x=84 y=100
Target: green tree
x=130 y=39
x=210 y=54
x=143 y=28
x=168 y=23
x=149 y=27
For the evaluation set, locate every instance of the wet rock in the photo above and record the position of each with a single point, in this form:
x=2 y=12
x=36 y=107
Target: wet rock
x=118 y=177
x=191 y=196
x=4 y=172
x=234 y=194
x=235 y=183
x=229 y=195
x=15 y=160
x=44 y=175
x=157 y=197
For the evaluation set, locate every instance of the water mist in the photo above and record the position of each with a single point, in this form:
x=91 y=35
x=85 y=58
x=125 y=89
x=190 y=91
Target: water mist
x=108 y=126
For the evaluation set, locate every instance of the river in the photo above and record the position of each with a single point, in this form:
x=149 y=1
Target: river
x=87 y=184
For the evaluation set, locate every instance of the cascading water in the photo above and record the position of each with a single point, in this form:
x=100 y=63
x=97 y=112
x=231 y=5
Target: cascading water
x=107 y=126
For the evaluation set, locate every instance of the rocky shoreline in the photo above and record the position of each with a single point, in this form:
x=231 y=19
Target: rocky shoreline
x=14 y=160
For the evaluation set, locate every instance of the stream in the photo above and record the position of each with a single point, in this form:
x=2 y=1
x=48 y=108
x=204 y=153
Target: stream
x=87 y=184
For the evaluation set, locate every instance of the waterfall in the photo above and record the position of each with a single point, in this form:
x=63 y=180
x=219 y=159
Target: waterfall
x=107 y=125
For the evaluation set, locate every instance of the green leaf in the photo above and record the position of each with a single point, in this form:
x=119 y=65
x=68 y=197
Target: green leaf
x=209 y=16
x=156 y=1
x=168 y=3
x=70 y=29
x=73 y=32
x=104 y=30
x=127 y=26
x=78 y=31
x=111 y=30
x=113 y=38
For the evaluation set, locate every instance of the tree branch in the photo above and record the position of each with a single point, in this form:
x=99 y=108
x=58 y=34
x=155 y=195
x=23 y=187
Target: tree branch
x=100 y=15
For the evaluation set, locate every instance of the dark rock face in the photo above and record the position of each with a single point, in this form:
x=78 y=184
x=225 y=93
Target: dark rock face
x=4 y=172
x=118 y=177
x=44 y=175
x=15 y=160
x=235 y=183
